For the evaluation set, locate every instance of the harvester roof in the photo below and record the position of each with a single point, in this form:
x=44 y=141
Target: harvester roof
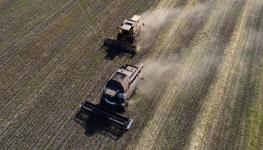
x=136 y=18
x=123 y=76
x=128 y=23
x=126 y=27
x=121 y=79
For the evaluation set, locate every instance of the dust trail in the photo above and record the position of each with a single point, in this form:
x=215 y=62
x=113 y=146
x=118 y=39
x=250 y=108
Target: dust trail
x=157 y=20
x=176 y=74
x=161 y=70
x=155 y=73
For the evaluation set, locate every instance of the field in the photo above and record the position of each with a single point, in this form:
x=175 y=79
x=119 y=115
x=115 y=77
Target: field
x=203 y=75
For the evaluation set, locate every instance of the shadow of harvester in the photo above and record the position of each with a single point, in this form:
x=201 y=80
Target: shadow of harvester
x=93 y=124
x=114 y=48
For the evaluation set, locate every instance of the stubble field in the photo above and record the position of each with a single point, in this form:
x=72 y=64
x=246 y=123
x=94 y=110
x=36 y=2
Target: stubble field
x=203 y=75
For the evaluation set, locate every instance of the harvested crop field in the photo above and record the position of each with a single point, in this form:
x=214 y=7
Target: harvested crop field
x=203 y=74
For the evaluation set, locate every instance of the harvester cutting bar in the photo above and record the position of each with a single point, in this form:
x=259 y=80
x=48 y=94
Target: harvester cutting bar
x=109 y=116
x=124 y=46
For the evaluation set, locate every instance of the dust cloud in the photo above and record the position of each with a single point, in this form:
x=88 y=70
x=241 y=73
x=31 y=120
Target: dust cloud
x=160 y=71
x=155 y=73
x=171 y=67
x=155 y=21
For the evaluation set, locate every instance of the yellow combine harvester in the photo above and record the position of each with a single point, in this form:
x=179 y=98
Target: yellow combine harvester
x=127 y=35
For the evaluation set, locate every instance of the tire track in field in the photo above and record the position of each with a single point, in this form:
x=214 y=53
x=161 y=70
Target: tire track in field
x=90 y=21
x=210 y=109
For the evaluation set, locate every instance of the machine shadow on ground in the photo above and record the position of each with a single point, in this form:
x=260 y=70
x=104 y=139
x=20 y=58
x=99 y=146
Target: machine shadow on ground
x=92 y=125
x=113 y=50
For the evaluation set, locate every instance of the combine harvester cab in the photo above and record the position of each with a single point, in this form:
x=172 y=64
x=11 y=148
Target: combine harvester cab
x=115 y=95
x=127 y=35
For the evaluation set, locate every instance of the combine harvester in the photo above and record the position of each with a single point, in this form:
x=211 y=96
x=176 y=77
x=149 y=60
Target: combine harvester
x=115 y=95
x=127 y=35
